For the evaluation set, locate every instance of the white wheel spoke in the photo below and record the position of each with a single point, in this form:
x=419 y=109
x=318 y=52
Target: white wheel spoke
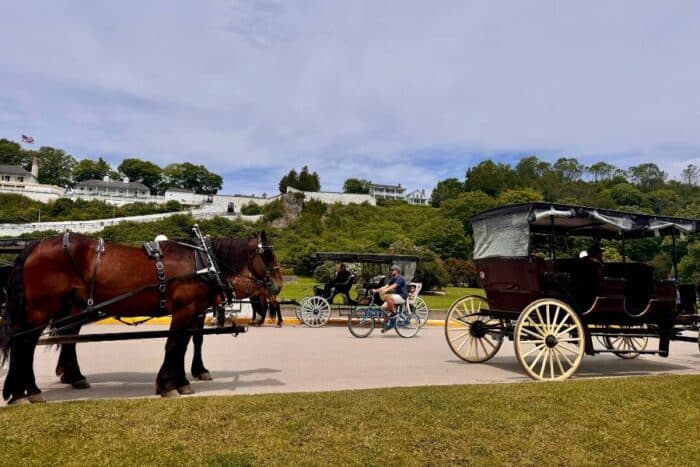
x=530 y=333
x=566 y=331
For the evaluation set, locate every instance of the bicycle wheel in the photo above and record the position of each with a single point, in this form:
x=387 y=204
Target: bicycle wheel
x=421 y=309
x=361 y=322
x=407 y=324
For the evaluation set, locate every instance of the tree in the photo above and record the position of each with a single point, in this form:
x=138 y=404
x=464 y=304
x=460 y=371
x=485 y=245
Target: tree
x=142 y=171
x=529 y=169
x=489 y=177
x=466 y=205
x=570 y=168
x=446 y=189
x=625 y=194
x=55 y=166
x=446 y=238
x=291 y=179
x=356 y=185
x=601 y=171
x=308 y=181
x=461 y=271
x=648 y=176
x=690 y=175
x=303 y=181
x=522 y=195
x=11 y=153
x=87 y=169
x=192 y=177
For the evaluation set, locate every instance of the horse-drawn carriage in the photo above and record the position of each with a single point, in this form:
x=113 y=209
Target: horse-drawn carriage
x=362 y=272
x=557 y=306
x=60 y=283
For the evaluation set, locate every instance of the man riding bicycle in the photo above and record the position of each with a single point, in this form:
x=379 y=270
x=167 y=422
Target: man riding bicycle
x=395 y=292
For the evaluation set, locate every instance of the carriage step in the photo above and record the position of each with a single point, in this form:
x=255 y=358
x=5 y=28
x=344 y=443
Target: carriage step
x=120 y=336
x=648 y=352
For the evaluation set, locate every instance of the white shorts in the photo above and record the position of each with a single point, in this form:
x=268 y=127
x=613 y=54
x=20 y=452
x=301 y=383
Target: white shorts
x=397 y=299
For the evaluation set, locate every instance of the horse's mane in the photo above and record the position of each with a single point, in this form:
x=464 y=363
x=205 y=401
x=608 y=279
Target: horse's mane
x=231 y=254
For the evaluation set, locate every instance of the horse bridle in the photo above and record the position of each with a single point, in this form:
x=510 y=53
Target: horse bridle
x=261 y=249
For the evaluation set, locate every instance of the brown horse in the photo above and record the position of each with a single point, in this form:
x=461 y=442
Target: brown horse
x=59 y=276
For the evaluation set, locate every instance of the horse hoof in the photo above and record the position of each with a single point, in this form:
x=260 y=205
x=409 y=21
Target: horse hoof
x=185 y=390
x=80 y=384
x=169 y=394
x=206 y=376
x=37 y=398
x=19 y=401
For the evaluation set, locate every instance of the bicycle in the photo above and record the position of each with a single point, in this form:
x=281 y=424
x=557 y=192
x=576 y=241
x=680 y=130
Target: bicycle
x=362 y=320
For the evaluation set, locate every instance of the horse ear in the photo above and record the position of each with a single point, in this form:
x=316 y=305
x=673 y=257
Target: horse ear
x=263 y=236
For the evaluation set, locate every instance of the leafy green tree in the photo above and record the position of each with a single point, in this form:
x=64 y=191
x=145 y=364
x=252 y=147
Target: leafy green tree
x=601 y=171
x=570 y=168
x=308 y=181
x=192 y=177
x=446 y=239
x=88 y=169
x=466 y=205
x=145 y=172
x=489 y=177
x=530 y=169
x=648 y=176
x=55 y=166
x=625 y=194
x=11 y=153
x=356 y=185
x=446 y=189
x=290 y=179
x=520 y=195
x=690 y=175
x=461 y=271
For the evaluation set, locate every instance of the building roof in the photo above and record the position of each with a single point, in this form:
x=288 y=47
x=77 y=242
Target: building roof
x=14 y=170
x=113 y=184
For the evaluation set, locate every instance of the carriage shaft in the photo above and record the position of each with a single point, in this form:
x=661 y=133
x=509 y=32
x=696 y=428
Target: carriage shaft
x=118 y=336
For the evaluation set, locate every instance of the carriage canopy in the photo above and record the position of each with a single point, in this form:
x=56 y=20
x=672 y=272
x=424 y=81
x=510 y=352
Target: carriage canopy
x=505 y=231
x=407 y=263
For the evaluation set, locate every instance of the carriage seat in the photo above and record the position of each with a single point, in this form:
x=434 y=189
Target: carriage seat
x=344 y=287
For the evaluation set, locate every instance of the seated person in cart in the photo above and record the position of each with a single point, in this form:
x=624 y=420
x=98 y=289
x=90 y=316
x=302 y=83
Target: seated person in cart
x=337 y=285
x=395 y=292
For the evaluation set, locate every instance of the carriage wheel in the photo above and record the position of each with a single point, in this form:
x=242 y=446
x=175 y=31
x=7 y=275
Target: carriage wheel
x=472 y=336
x=421 y=309
x=297 y=309
x=361 y=322
x=549 y=340
x=407 y=324
x=315 y=312
x=622 y=342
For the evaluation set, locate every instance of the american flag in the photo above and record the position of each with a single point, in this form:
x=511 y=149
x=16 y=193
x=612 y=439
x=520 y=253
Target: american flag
x=27 y=139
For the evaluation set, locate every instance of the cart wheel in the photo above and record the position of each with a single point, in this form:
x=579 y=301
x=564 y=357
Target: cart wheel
x=361 y=322
x=472 y=336
x=622 y=342
x=549 y=340
x=315 y=312
x=421 y=309
x=297 y=309
x=407 y=324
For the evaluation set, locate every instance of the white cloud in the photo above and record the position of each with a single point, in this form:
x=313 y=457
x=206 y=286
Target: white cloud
x=354 y=88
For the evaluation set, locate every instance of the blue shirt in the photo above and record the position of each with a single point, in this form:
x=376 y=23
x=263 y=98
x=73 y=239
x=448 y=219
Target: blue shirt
x=401 y=288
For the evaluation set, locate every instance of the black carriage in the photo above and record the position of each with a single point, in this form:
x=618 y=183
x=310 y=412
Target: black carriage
x=557 y=306
x=366 y=271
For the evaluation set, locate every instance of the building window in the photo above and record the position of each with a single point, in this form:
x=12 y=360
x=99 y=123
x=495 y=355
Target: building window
x=20 y=179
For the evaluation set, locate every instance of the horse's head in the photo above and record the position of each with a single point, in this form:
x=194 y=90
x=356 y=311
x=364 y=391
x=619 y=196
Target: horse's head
x=263 y=264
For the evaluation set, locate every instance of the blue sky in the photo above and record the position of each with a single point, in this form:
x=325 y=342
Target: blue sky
x=406 y=92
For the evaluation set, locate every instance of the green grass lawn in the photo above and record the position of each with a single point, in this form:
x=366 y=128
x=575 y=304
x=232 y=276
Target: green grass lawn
x=627 y=421
x=303 y=287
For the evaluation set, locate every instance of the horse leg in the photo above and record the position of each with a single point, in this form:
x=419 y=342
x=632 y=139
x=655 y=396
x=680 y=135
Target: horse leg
x=183 y=385
x=198 y=370
x=20 y=384
x=68 y=369
x=171 y=374
x=278 y=312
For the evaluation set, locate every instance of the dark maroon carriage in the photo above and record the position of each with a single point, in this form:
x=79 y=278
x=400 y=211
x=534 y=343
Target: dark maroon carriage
x=556 y=307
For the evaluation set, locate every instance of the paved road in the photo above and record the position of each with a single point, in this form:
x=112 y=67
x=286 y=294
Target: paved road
x=296 y=358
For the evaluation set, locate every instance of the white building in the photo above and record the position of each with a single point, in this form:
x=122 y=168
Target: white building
x=397 y=193
x=107 y=187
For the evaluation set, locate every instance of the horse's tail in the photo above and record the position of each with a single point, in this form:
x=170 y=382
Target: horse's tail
x=15 y=300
